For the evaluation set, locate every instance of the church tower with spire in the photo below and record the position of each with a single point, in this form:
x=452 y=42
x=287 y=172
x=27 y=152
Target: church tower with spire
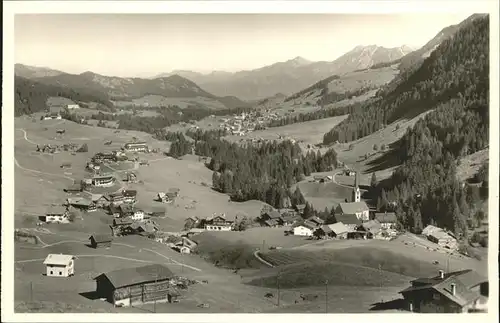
x=356 y=193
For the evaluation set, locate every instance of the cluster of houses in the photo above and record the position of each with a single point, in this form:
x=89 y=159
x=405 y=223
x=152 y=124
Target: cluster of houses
x=246 y=122
x=352 y=220
x=52 y=149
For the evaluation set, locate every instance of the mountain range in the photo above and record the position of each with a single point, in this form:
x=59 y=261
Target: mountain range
x=171 y=90
x=221 y=90
x=290 y=76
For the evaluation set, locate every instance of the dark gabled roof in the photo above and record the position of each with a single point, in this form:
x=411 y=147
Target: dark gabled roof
x=138 y=275
x=300 y=206
x=129 y=193
x=100 y=238
x=348 y=219
x=271 y=222
x=122 y=221
x=316 y=220
x=273 y=214
x=310 y=224
x=389 y=217
x=464 y=280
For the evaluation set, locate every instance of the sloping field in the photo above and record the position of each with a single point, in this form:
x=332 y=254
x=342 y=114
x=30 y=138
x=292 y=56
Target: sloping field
x=315 y=273
x=407 y=255
x=158 y=101
x=191 y=177
x=352 y=153
x=361 y=79
x=470 y=165
x=322 y=195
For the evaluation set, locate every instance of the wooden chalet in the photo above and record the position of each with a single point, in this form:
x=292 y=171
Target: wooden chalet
x=129 y=286
x=100 y=240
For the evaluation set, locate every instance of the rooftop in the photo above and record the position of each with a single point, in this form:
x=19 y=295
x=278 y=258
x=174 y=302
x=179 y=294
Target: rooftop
x=56 y=210
x=388 y=217
x=138 y=275
x=464 y=280
x=338 y=228
x=79 y=201
x=102 y=237
x=58 y=259
x=348 y=219
x=353 y=207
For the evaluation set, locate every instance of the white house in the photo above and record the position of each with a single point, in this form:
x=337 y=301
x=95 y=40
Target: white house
x=59 y=265
x=360 y=209
x=72 y=106
x=303 y=230
x=57 y=214
x=221 y=227
x=138 y=215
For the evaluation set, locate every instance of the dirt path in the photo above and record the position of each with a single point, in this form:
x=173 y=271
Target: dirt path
x=42 y=173
x=25 y=134
x=45 y=245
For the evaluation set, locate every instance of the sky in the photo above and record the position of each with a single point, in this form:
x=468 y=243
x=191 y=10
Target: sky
x=144 y=45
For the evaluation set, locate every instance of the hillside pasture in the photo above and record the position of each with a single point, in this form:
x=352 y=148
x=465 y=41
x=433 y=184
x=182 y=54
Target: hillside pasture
x=407 y=255
x=322 y=195
x=37 y=293
x=361 y=79
x=382 y=162
x=161 y=101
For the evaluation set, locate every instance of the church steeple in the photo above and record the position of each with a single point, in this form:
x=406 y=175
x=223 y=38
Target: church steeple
x=356 y=193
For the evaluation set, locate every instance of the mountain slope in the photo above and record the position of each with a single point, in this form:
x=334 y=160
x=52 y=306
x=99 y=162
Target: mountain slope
x=452 y=84
x=128 y=89
x=31 y=96
x=290 y=76
x=447 y=73
x=30 y=72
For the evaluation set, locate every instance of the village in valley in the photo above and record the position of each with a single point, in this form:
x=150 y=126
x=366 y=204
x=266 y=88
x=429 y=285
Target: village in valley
x=249 y=211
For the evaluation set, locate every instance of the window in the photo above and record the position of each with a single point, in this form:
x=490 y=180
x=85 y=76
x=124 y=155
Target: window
x=60 y=273
x=436 y=297
x=52 y=272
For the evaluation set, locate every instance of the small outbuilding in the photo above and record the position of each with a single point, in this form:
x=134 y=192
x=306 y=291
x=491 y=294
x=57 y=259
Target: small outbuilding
x=100 y=241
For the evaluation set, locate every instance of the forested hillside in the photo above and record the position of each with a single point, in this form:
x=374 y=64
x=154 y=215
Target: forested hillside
x=31 y=96
x=458 y=68
x=454 y=81
x=262 y=172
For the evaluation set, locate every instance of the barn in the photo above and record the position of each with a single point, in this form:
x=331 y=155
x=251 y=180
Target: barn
x=128 y=286
x=100 y=241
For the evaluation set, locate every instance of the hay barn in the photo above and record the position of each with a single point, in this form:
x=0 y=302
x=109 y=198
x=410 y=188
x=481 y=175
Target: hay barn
x=125 y=287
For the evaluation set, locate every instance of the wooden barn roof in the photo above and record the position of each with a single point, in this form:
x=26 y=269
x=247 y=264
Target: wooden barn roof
x=138 y=275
